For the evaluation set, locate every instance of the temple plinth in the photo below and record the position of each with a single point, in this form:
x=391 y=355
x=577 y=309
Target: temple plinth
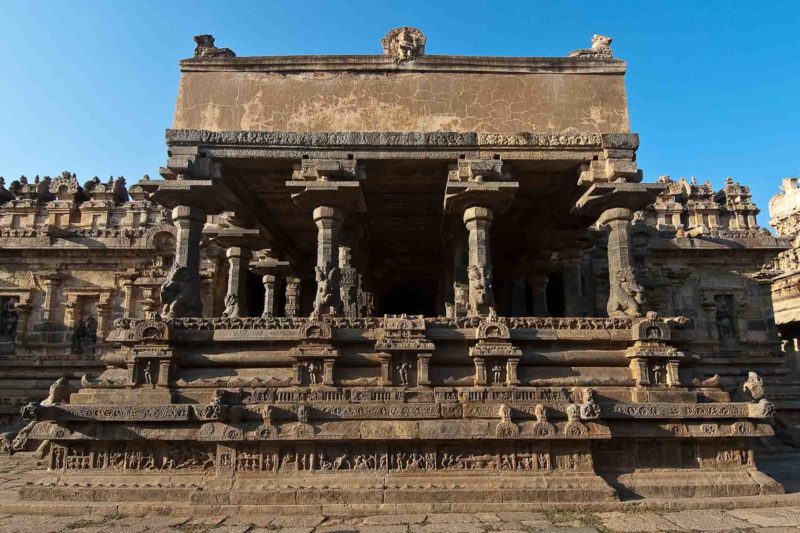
x=452 y=254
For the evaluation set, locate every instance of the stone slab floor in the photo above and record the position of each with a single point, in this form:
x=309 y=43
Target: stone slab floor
x=753 y=514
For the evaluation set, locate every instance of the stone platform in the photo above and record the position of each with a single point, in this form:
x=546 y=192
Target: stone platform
x=774 y=513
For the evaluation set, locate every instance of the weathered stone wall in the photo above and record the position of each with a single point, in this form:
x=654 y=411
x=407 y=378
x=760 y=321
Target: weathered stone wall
x=391 y=99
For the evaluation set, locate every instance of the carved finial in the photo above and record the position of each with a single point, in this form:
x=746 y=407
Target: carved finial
x=404 y=44
x=601 y=48
x=205 y=48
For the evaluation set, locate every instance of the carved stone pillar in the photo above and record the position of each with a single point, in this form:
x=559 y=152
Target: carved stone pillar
x=512 y=363
x=478 y=220
x=292 y=296
x=570 y=259
x=269 y=295
x=538 y=285
x=625 y=295
x=329 y=223
x=423 y=369
x=189 y=221
x=639 y=372
x=673 y=378
x=181 y=292
x=236 y=298
x=327 y=372
x=386 y=369
x=480 y=371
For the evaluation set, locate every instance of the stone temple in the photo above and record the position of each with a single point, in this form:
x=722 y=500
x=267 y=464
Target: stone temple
x=391 y=279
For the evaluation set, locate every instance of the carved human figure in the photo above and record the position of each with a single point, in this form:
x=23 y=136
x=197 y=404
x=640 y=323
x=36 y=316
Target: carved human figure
x=402 y=372
x=85 y=336
x=312 y=369
x=497 y=373
x=724 y=318
x=148 y=373
x=9 y=319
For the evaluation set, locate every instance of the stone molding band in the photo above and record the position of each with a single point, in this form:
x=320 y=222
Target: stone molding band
x=444 y=139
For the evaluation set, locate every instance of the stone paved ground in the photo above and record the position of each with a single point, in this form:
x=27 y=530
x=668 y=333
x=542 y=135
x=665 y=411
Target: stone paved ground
x=755 y=519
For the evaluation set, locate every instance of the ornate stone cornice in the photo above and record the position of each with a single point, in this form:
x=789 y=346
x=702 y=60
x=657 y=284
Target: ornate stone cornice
x=399 y=139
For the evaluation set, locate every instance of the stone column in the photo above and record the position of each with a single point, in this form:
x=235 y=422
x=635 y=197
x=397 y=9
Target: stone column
x=570 y=261
x=292 y=296
x=189 y=220
x=625 y=296
x=236 y=298
x=329 y=223
x=163 y=373
x=478 y=220
x=423 y=365
x=181 y=292
x=269 y=295
x=538 y=285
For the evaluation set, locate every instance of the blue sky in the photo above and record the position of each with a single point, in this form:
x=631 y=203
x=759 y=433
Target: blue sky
x=89 y=86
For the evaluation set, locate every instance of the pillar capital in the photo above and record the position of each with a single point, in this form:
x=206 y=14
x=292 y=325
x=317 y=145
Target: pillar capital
x=615 y=214
x=330 y=214
x=478 y=214
x=238 y=252
x=189 y=212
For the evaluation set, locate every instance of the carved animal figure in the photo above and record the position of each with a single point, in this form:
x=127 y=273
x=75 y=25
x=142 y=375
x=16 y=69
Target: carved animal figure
x=328 y=300
x=231 y=306
x=206 y=48
x=480 y=285
x=625 y=295
x=180 y=294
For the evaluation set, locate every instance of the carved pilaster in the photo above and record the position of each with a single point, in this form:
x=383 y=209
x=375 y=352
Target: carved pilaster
x=180 y=293
x=269 y=295
x=236 y=297
x=292 y=296
x=423 y=369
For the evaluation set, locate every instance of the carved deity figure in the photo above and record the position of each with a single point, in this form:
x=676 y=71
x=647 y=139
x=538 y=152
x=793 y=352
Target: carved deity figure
x=724 y=318
x=148 y=373
x=497 y=373
x=625 y=295
x=404 y=44
x=328 y=300
x=180 y=294
x=505 y=413
x=9 y=319
x=402 y=372
x=312 y=369
x=85 y=336
x=480 y=290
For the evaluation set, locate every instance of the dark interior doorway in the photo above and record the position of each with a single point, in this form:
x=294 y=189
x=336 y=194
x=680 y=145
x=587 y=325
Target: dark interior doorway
x=413 y=298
